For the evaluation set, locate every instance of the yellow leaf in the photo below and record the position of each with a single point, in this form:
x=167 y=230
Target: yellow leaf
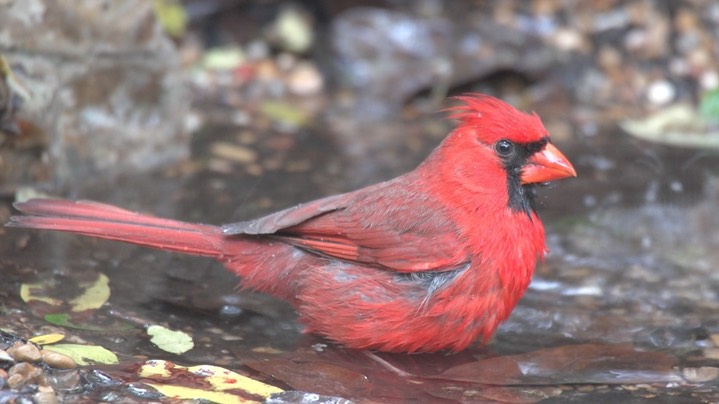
x=157 y=368
x=172 y=16
x=30 y=292
x=223 y=379
x=189 y=393
x=95 y=295
x=285 y=113
x=47 y=339
x=220 y=379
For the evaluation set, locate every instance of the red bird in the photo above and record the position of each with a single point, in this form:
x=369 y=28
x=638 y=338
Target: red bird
x=428 y=261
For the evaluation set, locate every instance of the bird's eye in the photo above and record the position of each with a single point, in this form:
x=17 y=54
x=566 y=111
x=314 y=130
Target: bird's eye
x=504 y=148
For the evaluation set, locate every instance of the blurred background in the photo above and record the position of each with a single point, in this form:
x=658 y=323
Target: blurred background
x=222 y=110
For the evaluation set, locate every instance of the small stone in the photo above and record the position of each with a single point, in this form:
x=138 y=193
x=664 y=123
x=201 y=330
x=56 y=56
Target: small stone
x=66 y=381
x=24 y=373
x=267 y=70
x=609 y=58
x=58 y=360
x=305 y=79
x=234 y=152
x=15 y=381
x=709 y=80
x=5 y=357
x=45 y=395
x=711 y=353
x=715 y=339
x=701 y=374
x=569 y=40
x=25 y=352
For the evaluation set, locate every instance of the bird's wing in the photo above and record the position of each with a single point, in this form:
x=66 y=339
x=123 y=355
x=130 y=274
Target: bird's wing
x=383 y=225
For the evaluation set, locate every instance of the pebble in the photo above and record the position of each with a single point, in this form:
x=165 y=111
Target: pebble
x=58 y=360
x=234 y=152
x=5 y=357
x=709 y=80
x=267 y=70
x=45 y=395
x=569 y=40
x=24 y=373
x=701 y=374
x=305 y=79
x=711 y=353
x=715 y=339
x=25 y=352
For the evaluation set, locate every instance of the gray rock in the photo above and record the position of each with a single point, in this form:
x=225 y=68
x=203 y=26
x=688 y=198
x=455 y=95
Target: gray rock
x=105 y=89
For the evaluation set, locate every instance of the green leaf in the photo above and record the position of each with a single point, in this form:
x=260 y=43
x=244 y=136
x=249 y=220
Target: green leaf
x=85 y=354
x=63 y=320
x=176 y=342
x=223 y=58
x=709 y=105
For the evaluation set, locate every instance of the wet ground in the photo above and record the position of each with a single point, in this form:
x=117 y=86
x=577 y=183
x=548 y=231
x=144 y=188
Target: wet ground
x=623 y=309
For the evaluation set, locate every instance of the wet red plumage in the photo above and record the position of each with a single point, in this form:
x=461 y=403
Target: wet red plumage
x=430 y=260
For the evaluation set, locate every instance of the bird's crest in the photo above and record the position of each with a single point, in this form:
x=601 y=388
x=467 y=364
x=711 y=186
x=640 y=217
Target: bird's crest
x=494 y=119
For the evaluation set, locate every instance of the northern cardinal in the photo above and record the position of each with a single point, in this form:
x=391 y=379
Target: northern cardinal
x=428 y=261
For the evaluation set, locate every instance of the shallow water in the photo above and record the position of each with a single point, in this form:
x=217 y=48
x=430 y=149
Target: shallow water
x=623 y=308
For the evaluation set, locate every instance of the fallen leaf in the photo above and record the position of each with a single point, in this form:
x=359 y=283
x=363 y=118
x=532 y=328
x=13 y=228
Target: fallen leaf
x=675 y=125
x=176 y=342
x=47 y=339
x=284 y=113
x=63 y=320
x=223 y=58
x=85 y=354
x=172 y=16
x=95 y=294
x=203 y=382
x=189 y=393
x=30 y=292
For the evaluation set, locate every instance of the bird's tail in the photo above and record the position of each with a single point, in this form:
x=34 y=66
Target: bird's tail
x=113 y=223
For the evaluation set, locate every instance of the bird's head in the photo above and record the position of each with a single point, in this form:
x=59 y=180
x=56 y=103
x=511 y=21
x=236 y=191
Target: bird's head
x=494 y=138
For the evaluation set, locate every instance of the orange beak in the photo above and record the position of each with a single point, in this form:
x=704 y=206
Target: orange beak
x=549 y=164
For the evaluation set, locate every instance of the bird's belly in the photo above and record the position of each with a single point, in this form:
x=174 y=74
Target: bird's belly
x=368 y=308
